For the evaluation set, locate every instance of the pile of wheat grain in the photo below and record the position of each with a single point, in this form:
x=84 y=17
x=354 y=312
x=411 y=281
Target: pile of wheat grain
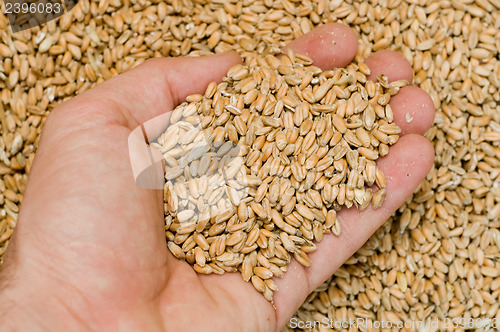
x=258 y=166
x=438 y=256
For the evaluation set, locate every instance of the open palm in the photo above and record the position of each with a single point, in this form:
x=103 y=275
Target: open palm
x=89 y=251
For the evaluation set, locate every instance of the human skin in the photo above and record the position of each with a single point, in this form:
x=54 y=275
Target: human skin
x=89 y=249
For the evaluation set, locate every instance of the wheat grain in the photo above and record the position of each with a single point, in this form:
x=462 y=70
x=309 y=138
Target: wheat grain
x=460 y=71
x=292 y=152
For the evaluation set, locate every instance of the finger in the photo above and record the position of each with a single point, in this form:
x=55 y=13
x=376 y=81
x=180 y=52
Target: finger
x=329 y=46
x=413 y=108
x=405 y=167
x=390 y=63
x=357 y=225
x=152 y=88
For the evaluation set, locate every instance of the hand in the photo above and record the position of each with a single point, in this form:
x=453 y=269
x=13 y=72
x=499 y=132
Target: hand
x=89 y=250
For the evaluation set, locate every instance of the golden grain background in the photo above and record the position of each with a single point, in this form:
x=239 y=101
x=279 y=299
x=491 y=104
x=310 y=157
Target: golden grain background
x=437 y=257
